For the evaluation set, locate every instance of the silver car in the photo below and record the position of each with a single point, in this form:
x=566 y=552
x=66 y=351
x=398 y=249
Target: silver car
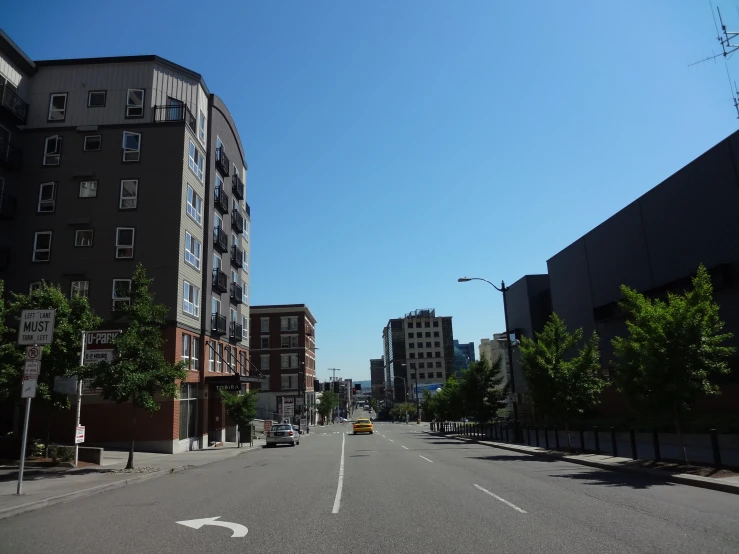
x=283 y=433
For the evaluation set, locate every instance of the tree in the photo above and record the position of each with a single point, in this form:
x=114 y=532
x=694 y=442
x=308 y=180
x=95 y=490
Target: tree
x=481 y=389
x=448 y=400
x=674 y=349
x=563 y=379
x=61 y=358
x=374 y=405
x=241 y=408
x=329 y=402
x=139 y=371
x=429 y=406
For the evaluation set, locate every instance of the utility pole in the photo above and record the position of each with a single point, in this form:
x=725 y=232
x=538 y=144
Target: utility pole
x=334 y=370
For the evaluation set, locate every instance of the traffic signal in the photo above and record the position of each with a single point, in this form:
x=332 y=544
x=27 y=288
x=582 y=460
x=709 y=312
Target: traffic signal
x=354 y=391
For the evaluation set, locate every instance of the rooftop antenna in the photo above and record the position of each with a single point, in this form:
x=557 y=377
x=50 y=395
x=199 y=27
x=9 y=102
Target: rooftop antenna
x=724 y=38
x=334 y=370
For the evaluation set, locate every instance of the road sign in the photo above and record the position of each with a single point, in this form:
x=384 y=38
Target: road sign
x=28 y=389
x=267 y=425
x=238 y=529
x=32 y=370
x=65 y=385
x=36 y=327
x=303 y=424
x=288 y=406
x=33 y=353
x=79 y=435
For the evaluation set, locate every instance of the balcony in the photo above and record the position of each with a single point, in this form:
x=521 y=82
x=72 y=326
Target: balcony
x=237 y=187
x=11 y=102
x=220 y=282
x=220 y=240
x=10 y=156
x=247 y=209
x=237 y=257
x=235 y=332
x=221 y=200
x=236 y=293
x=237 y=220
x=218 y=324
x=173 y=113
x=223 y=164
x=7 y=206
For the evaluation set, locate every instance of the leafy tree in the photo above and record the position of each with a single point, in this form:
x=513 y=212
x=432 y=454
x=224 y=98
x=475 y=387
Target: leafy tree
x=674 y=350
x=429 y=406
x=374 y=405
x=563 y=379
x=241 y=408
x=329 y=402
x=448 y=400
x=139 y=371
x=61 y=358
x=481 y=389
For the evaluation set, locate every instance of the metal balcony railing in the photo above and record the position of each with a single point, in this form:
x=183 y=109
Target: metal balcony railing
x=223 y=164
x=10 y=100
x=247 y=209
x=218 y=324
x=7 y=206
x=237 y=257
x=237 y=220
x=236 y=293
x=221 y=199
x=171 y=113
x=220 y=240
x=237 y=187
x=10 y=155
x=236 y=331
x=220 y=282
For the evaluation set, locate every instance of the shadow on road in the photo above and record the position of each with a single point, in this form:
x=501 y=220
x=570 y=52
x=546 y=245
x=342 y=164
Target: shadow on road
x=35 y=475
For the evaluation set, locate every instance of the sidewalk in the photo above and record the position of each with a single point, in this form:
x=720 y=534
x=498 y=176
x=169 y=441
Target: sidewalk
x=46 y=487
x=723 y=484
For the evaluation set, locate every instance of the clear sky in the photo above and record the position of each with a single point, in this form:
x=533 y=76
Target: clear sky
x=394 y=146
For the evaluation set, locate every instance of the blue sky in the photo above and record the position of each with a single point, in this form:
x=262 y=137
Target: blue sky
x=394 y=146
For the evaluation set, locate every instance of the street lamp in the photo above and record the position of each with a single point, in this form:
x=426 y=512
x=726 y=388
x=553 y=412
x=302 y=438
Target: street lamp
x=503 y=289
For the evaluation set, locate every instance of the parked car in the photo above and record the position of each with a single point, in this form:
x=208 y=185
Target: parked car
x=284 y=433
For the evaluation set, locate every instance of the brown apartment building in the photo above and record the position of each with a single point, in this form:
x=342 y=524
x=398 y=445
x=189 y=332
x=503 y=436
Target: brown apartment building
x=283 y=348
x=110 y=162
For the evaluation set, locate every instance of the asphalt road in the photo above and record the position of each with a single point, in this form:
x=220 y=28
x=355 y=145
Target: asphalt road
x=402 y=491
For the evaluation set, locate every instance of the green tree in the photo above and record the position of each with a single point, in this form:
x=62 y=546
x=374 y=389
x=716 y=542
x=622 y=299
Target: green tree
x=674 y=350
x=429 y=407
x=482 y=391
x=374 y=405
x=61 y=358
x=139 y=372
x=563 y=379
x=448 y=401
x=241 y=408
x=329 y=402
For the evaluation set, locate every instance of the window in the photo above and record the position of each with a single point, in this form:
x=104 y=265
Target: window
x=428 y=334
x=197 y=163
x=264 y=362
x=211 y=356
x=264 y=342
x=129 y=194
x=439 y=375
x=201 y=127
x=219 y=358
x=427 y=324
x=289 y=382
x=92 y=143
x=80 y=288
x=36 y=285
x=121 y=293
x=428 y=345
x=421 y=375
x=242 y=363
x=437 y=344
x=264 y=324
x=57 y=106
x=411 y=345
x=131 y=146
x=96 y=98
x=42 y=246
x=124 y=242
x=192 y=251
x=413 y=365
x=413 y=375
x=289 y=341
x=436 y=323
x=410 y=325
x=438 y=354
x=245 y=293
x=436 y=333
x=194 y=205
x=186 y=348
x=246 y=229
x=289 y=323
x=83 y=237
x=135 y=103
x=88 y=189
x=244 y=327
x=410 y=335
x=191 y=299
x=438 y=364
x=234 y=316
x=46 y=198
x=245 y=262
x=53 y=150
x=215 y=305
x=194 y=353
x=412 y=355
x=188 y=410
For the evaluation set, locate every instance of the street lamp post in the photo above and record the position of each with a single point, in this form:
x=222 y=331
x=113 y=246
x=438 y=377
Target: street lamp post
x=504 y=290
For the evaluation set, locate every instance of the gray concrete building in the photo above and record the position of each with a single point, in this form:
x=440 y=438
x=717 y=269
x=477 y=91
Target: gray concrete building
x=128 y=160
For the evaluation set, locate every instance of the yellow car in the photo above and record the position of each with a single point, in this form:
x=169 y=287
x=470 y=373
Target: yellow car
x=363 y=426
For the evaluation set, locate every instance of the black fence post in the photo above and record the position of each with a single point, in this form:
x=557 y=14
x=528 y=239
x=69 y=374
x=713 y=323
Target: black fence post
x=528 y=435
x=546 y=437
x=716 y=449
x=632 y=436
x=655 y=442
x=582 y=439
x=536 y=434
x=506 y=434
x=597 y=439
x=614 y=446
x=556 y=437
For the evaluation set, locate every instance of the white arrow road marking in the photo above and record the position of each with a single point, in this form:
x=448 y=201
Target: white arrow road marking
x=425 y=458
x=238 y=529
x=404 y=447
x=337 y=500
x=503 y=500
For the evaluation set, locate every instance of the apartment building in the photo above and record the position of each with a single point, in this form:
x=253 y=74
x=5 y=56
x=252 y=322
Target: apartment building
x=283 y=349
x=419 y=352
x=127 y=160
x=377 y=377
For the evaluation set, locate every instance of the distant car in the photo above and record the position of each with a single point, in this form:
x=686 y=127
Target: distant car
x=363 y=426
x=284 y=433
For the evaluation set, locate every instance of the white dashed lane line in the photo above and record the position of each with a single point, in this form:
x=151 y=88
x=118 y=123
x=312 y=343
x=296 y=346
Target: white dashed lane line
x=503 y=500
x=430 y=461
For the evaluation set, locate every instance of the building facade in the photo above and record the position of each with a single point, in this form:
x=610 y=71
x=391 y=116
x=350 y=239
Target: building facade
x=123 y=162
x=419 y=352
x=377 y=377
x=464 y=354
x=283 y=348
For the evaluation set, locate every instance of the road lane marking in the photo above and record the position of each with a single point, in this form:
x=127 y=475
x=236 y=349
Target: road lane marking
x=391 y=440
x=503 y=500
x=337 y=500
x=404 y=447
x=425 y=458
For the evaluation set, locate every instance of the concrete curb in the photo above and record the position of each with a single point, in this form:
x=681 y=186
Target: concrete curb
x=680 y=478
x=59 y=499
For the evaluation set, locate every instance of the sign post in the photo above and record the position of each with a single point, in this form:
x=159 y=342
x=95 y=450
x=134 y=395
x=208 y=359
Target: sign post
x=79 y=405
x=36 y=328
